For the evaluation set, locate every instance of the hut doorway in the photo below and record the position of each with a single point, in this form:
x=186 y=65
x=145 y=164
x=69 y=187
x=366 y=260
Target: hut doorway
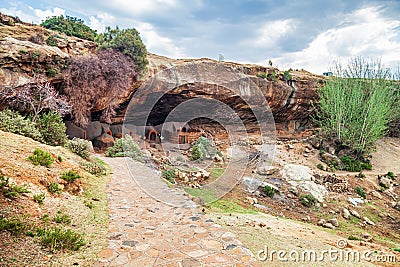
x=153 y=135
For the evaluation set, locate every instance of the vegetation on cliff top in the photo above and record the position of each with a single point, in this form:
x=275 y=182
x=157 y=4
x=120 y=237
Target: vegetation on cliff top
x=71 y=26
x=127 y=41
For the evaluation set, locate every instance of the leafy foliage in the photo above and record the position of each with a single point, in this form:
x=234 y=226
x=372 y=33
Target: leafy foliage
x=80 y=147
x=125 y=147
x=354 y=165
x=41 y=157
x=169 y=175
x=201 y=149
x=268 y=191
x=13 y=190
x=13 y=122
x=71 y=26
x=70 y=176
x=357 y=104
x=127 y=41
x=390 y=175
x=52 y=128
x=360 y=191
x=93 y=79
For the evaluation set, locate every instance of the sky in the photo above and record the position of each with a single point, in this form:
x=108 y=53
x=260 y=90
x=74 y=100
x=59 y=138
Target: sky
x=297 y=34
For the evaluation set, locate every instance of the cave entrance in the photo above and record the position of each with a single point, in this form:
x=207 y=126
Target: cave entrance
x=153 y=135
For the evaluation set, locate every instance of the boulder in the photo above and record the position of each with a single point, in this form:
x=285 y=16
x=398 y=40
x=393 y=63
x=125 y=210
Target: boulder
x=368 y=221
x=331 y=159
x=93 y=130
x=74 y=131
x=103 y=141
x=301 y=177
x=334 y=222
x=328 y=225
x=105 y=128
x=116 y=130
x=346 y=214
x=355 y=214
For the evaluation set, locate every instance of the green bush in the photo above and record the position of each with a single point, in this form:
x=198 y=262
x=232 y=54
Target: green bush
x=320 y=166
x=169 y=175
x=51 y=40
x=360 y=191
x=39 y=198
x=125 y=147
x=268 y=191
x=127 y=41
x=307 y=200
x=354 y=165
x=286 y=75
x=13 y=122
x=201 y=149
x=80 y=147
x=96 y=168
x=41 y=157
x=62 y=218
x=390 y=175
x=70 y=176
x=60 y=239
x=352 y=237
x=54 y=187
x=52 y=128
x=71 y=26
x=357 y=104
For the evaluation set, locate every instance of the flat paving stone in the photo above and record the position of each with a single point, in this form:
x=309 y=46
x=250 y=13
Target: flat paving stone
x=153 y=225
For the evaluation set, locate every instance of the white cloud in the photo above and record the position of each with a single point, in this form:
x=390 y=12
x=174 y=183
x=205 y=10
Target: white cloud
x=271 y=31
x=364 y=32
x=156 y=43
x=30 y=14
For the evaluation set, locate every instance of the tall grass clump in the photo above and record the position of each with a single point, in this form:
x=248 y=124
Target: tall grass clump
x=357 y=104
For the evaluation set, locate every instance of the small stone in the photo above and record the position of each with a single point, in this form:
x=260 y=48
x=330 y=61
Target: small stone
x=367 y=237
x=294 y=190
x=346 y=214
x=324 y=205
x=328 y=225
x=321 y=222
x=376 y=194
x=334 y=222
x=307 y=219
x=368 y=221
x=130 y=243
x=355 y=214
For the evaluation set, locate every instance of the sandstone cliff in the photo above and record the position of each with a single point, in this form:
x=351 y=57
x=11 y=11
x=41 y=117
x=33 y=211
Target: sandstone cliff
x=24 y=53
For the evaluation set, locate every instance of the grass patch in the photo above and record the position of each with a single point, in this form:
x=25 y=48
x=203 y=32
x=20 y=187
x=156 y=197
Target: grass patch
x=62 y=218
x=216 y=173
x=268 y=191
x=15 y=225
x=70 y=176
x=96 y=167
x=60 y=239
x=307 y=200
x=41 y=157
x=13 y=190
x=39 y=198
x=54 y=187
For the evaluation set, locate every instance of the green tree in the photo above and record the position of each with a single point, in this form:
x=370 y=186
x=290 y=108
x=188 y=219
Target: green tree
x=127 y=41
x=357 y=104
x=71 y=26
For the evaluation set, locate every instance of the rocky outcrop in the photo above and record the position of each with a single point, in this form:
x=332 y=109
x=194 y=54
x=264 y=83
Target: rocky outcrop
x=24 y=52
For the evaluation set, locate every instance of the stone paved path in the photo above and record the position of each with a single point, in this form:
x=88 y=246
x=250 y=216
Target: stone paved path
x=147 y=232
